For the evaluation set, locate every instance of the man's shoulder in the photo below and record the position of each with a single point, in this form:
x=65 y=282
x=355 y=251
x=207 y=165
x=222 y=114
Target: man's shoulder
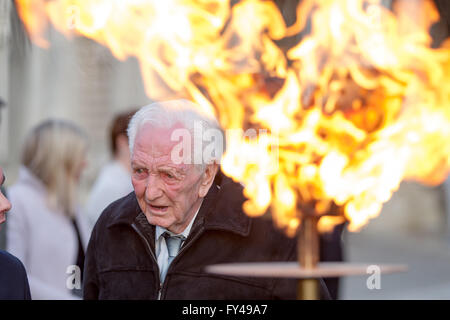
x=230 y=193
x=231 y=200
x=10 y=264
x=267 y=228
x=13 y=278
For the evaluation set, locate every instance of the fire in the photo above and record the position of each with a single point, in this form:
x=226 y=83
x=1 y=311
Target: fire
x=360 y=104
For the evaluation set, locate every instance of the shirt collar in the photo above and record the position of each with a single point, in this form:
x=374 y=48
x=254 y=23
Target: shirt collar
x=160 y=230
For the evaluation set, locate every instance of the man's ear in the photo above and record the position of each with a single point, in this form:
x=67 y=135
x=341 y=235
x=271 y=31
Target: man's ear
x=207 y=179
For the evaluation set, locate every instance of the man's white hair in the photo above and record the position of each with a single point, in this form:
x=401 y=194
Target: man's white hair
x=166 y=114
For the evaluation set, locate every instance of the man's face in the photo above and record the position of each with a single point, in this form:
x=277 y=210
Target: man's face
x=169 y=194
x=5 y=205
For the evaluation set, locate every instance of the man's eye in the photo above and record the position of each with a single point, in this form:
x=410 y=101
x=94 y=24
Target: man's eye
x=139 y=171
x=168 y=175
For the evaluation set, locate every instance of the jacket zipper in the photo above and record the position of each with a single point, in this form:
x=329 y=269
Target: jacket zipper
x=152 y=255
x=183 y=248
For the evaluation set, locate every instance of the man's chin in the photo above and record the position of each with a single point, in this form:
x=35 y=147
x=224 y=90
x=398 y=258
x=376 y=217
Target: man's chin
x=158 y=220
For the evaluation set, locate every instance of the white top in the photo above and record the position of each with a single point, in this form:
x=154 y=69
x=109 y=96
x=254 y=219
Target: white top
x=113 y=182
x=44 y=240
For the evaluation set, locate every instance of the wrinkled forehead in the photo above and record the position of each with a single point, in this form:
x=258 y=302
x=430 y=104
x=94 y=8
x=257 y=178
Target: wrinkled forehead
x=161 y=138
x=151 y=132
x=162 y=145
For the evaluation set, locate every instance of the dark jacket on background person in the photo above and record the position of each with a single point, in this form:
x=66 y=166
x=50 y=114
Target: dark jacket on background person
x=121 y=260
x=13 y=278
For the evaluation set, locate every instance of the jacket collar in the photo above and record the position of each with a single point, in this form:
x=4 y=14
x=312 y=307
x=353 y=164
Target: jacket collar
x=125 y=212
x=221 y=209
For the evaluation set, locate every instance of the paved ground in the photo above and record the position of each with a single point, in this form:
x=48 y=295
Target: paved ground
x=427 y=257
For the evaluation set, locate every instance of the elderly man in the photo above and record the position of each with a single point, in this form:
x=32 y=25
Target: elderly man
x=13 y=277
x=155 y=242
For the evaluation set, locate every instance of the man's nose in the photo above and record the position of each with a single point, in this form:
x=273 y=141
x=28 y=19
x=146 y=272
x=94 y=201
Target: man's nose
x=154 y=188
x=5 y=205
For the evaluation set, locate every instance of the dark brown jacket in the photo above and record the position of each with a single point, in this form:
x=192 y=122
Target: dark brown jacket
x=121 y=262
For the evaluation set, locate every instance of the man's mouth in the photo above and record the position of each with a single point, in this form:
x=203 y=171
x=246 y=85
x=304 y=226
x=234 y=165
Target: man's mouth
x=158 y=209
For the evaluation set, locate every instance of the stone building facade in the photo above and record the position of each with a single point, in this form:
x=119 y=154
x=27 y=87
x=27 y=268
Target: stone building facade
x=75 y=79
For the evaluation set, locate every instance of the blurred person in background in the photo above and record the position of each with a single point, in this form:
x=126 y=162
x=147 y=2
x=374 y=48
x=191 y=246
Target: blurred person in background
x=13 y=277
x=45 y=230
x=114 y=180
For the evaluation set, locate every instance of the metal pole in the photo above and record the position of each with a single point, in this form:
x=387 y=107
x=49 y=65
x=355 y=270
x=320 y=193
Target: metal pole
x=308 y=257
x=447 y=204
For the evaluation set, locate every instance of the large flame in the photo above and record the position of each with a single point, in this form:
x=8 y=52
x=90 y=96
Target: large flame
x=357 y=106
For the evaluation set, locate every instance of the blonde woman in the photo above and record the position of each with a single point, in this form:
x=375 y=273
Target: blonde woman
x=45 y=230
